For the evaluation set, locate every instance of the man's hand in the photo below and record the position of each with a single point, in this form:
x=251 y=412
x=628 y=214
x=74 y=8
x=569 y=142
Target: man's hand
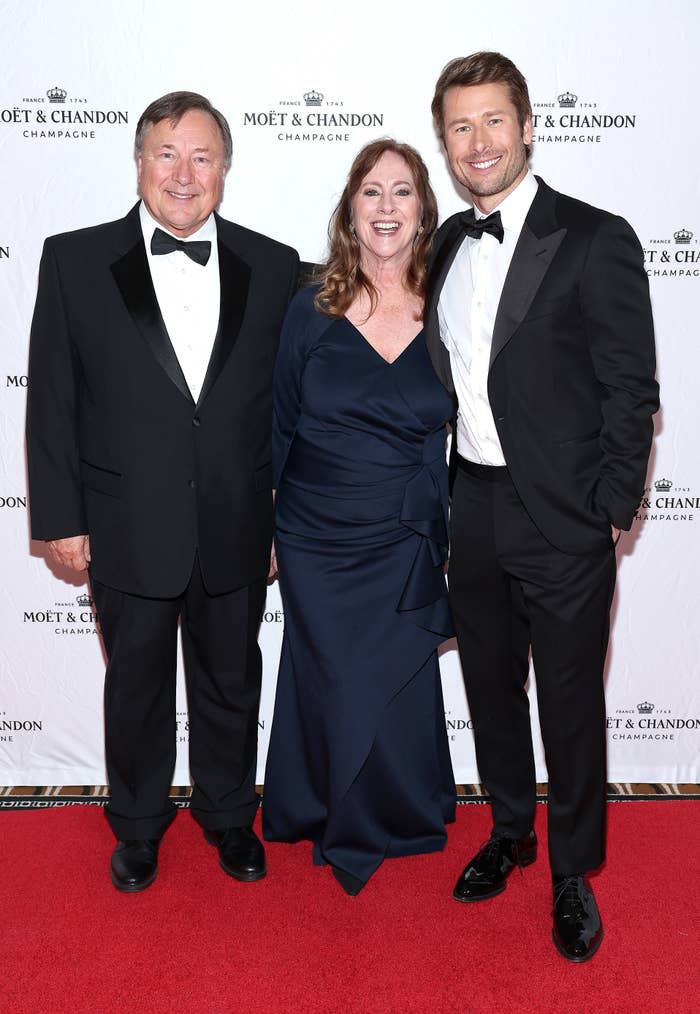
x=273 y=564
x=615 y=534
x=73 y=553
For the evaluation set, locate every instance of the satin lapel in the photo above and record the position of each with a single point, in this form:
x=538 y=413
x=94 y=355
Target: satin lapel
x=442 y=263
x=234 y=275
x=535 y=250
x=133 y=276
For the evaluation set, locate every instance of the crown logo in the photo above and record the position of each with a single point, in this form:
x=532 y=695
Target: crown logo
x=313 y=98
x=57 y=94
x=645 y=708
x=663 y=485
x=683 y=236
x=567 y=100
x=84 y=600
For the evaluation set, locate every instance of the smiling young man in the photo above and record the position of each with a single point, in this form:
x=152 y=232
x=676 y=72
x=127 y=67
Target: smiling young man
x=148 y=438
x=539 y=322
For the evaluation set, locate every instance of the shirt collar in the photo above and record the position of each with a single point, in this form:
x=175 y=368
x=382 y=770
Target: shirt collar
x=515 y=206
x=149 y=226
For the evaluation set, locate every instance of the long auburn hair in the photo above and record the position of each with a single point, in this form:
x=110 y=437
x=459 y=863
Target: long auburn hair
x=341 y=277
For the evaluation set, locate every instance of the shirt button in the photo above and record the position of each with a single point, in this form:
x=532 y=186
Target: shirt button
x=196 y=421
x=185 y=308
x=191 y=483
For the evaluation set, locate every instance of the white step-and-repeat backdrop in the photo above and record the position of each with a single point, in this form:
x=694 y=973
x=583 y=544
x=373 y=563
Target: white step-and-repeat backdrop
x=304 y=85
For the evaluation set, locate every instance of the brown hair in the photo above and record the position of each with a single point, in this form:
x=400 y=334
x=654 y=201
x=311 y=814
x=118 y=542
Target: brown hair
x=481 y=68
x=173 y=107
x=342 y=278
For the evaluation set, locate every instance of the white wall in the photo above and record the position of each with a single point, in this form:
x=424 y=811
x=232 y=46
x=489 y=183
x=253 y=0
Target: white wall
x=628 y=63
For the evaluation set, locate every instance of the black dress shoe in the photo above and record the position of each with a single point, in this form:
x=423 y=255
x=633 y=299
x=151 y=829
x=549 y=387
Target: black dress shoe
x=485 y=876
x=134 y=864
x=351 y=885
x=241 y=853
x=577 y=930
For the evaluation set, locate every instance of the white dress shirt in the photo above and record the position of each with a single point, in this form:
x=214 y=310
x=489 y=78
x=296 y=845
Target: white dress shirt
x=189 y=298
x=467 y=312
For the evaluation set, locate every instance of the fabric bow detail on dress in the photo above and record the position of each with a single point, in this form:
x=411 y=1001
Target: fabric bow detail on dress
x=424 y=594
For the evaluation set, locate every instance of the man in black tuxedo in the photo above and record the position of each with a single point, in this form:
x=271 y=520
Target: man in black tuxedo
x=148 y=436
x=539 y=323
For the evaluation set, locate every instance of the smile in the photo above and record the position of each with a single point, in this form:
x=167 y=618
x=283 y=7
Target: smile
x=385 y=227
x=486 y=165
x=180 y=197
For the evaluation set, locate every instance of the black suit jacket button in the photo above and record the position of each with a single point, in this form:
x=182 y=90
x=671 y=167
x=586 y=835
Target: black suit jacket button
x=196 y=421
x=191 y=483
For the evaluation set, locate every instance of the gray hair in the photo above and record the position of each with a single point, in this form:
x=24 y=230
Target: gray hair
x=173 y=107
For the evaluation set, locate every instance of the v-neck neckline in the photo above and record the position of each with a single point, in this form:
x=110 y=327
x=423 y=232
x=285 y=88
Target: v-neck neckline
x=368 y=343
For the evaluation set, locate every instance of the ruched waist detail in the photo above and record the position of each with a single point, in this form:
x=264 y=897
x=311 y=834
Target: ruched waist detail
x=335 y=500
x=329 y=464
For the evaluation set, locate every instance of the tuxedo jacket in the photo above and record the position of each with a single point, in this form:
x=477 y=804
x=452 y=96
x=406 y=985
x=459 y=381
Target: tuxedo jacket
x=117 y=448
x=571 y=378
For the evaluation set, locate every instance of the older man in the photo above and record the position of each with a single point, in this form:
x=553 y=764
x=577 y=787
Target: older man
x=539 y=322
x=148 y=436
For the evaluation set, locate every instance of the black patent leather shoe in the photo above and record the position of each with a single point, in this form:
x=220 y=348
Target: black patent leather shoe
x=350 y=884
x=578 y=929
x=485 y=876
x=134 y=864
x=241 y=853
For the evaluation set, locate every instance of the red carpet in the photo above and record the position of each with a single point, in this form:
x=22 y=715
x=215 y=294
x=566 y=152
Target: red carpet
x=197 y=942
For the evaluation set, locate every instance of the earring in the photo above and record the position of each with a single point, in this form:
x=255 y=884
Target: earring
x=420 y=230
x=352 y=229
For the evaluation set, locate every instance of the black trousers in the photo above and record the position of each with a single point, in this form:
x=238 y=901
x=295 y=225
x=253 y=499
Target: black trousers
x=223 y=671
x=511 y=591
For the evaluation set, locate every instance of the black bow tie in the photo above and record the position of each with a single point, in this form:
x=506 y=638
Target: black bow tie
x=199 y=250
x=476 y=227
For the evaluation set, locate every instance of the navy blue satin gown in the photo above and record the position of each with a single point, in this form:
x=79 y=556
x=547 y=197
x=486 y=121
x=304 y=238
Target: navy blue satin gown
x=358 y=760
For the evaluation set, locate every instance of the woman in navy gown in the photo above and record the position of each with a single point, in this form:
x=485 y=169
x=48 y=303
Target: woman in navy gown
x=358 y=761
